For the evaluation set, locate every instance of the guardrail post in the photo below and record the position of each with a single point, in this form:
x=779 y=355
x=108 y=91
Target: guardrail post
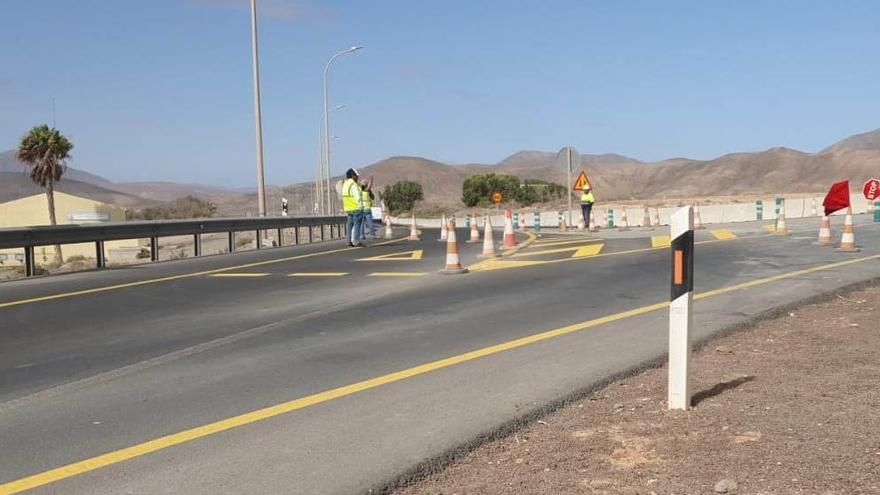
x=232 y=242
x=296 y=235
x=197 y=244
x=259 y=241
x=311 y=234
x=280 y=237
x=99 y=254
x=154 y=248
x=29 y=261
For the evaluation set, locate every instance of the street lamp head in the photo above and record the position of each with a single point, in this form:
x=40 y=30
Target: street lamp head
x=354 y=48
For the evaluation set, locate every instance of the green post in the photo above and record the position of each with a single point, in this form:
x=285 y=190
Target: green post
x=778 y=204
x=759 y=208
x=515 y=220
x=877 y=210
x=537 y=223
x=610 y=218
x=467 y=221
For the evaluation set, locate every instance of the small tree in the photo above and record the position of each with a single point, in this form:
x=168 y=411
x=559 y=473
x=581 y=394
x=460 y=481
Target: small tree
x=401 y=196
x=45 y=151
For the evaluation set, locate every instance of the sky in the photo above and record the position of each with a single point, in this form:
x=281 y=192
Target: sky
x=162 y=89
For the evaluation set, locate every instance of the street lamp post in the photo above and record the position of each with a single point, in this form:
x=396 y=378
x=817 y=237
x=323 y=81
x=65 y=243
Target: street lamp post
x=327 y=125
x=258 y=122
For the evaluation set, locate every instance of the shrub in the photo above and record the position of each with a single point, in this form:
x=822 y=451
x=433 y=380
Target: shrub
x=181 y=208
x=477 y=190
x=401 y=196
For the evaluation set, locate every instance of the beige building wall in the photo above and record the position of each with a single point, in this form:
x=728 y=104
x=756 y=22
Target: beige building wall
x=69 y=209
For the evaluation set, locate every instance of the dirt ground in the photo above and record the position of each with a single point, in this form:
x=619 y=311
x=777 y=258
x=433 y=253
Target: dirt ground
x=790 y=406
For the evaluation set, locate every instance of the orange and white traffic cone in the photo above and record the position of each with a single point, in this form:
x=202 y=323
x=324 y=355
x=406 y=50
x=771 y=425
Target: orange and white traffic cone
x=488 y=240
x=388 y=232
x=825 y=232
x=509 y=238
x=522 y=220
x=453 y=263
x=594 y=227
x=475 y=230
x=413 y=230
x=581 y=225
x=848 y=240
x=444 y=228
x=623 y=224
x=781 y=228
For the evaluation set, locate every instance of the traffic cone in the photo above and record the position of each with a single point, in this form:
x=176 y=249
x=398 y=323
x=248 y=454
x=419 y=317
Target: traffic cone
x=780 y=221
x=623 y=224
x=475 y=230
x=509 y=237
x=825 y=232
x=594 y=227
x=413 y=230
x=444 y=228
x=453 y=263
x=522 y=220
x=388 y=232
x=488 y=240
x=646 y=220
x=656 y=220
x=848 y=240
x=581 y=225
x=698 y=219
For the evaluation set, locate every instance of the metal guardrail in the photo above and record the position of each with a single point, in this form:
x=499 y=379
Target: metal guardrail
x=30 y=237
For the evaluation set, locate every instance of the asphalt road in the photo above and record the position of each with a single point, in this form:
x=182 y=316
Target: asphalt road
x=329 y=383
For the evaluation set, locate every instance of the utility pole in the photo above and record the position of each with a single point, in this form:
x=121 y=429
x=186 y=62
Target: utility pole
x=258 y=121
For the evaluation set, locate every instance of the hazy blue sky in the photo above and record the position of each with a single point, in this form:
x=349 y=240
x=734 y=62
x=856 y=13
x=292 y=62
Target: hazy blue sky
x=161 y=89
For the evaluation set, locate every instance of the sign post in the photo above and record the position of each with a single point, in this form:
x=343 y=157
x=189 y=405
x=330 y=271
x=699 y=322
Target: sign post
x=681 y=308
x=568 y=159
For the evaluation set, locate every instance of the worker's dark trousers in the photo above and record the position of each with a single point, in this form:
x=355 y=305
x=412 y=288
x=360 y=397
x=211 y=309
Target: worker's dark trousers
x=585 y=208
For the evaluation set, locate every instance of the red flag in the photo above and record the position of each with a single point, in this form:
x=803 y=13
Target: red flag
x=837 y=197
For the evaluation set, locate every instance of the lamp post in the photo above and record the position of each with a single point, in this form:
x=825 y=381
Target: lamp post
x=319 y=195
x=327 y=124
x=258 y=122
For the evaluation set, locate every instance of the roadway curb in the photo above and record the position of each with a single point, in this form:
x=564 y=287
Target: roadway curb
x=438 y=463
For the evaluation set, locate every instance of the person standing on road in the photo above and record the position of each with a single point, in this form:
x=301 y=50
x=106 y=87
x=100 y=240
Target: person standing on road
x=587 y=201
x=369 y=228
x=353 y=206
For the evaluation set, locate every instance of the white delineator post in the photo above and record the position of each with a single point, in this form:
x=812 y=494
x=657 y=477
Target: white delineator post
x=681 y=308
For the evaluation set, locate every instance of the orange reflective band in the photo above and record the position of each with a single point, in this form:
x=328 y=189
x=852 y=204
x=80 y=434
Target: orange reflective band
x=679 y=267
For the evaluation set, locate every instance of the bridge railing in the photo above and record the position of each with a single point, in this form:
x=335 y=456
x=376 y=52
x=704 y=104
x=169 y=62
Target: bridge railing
x=28 y=238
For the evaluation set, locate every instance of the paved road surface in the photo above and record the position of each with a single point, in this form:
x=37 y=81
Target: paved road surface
x=125 y=368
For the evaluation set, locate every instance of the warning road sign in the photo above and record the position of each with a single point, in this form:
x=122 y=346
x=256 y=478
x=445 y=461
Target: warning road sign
x=582 y=181
x=497 y=197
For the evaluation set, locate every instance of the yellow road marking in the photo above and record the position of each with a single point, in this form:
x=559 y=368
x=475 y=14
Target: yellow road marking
x=586 y=251
x=318 y=274
x=401 y=256
x=556 y=242
x=590 y=247
x=659 y=241
x=770 y=227
x=392 y=241
x=723 y=234
x=523 y=245
x=115 y=457
x=397 y=274
x=96 y=290
x=261 y=274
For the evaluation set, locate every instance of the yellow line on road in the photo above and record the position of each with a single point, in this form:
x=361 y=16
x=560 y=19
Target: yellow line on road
x=413 y=255
x=96 y=290
x=588 y=251
x=770 y=227
x=723 y=234
x=397 y=274
x=318 y=274
x=659 y=241
x=392 y=241
x=243 y=275
x=184 y=436
x=556 y=242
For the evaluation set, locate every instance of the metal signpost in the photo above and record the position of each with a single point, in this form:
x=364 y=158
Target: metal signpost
x=569 y=159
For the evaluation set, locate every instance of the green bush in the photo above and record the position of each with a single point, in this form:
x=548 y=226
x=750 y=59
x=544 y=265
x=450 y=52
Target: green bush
x=181 y=208
x=477 y=190
x=401 y=196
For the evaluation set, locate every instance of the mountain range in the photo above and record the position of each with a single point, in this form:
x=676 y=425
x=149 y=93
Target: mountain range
x=614 y=177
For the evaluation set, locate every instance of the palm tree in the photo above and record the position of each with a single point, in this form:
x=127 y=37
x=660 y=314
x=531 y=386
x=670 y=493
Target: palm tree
x=46 y=151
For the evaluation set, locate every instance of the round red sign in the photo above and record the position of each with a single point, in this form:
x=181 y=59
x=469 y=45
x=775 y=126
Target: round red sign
x=871 y=190
x=497 y=197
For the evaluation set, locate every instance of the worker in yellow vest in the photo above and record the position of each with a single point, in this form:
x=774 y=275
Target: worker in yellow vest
x=353 y=206
x=368 y=229
x=587 y=201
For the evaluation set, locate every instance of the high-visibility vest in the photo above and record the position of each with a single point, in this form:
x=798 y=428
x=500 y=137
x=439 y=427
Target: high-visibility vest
x=587 y=197
x=351 y=196
x=368 y=202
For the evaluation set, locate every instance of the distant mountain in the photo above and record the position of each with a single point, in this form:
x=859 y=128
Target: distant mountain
x=14 y=185
x=536 y=159
x=865 y=141
x=8 y=163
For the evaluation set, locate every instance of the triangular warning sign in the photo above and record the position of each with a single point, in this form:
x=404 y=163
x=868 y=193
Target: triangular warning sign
x=582 y=181
x=402 y=256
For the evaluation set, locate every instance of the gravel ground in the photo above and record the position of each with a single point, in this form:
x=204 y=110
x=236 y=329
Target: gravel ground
x=789 y=406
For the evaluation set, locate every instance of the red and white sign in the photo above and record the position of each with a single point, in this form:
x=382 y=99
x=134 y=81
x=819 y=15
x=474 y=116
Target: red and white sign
x=871 y=189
